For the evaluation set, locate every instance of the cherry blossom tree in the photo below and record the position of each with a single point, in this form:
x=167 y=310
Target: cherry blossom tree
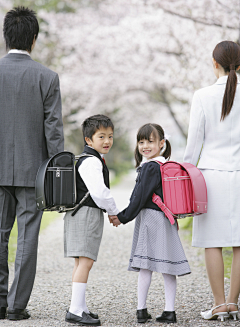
x=134 y=60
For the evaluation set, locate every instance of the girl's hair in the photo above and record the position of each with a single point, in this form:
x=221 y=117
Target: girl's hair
x=144 y=133
x=227 y=54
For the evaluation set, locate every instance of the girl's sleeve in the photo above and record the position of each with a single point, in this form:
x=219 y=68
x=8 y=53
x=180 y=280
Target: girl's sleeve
x=195 y=132
x=150 y=180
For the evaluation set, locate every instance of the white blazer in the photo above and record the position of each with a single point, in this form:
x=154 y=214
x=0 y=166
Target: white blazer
x=217 y=141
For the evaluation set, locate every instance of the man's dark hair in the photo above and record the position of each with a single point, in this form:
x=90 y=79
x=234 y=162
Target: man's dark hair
x=20 y=26
x=94 y=123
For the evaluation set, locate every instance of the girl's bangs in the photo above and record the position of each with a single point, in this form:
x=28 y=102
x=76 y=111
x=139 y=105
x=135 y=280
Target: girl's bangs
x=145 y=132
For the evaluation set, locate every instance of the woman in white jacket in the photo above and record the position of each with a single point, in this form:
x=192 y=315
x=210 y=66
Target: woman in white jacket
x=214 y=140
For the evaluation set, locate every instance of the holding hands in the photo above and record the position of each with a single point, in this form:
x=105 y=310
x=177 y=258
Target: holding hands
x=114 y=220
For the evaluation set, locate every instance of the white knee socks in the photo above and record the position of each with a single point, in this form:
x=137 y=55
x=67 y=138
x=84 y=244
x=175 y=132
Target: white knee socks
x=78 y=302
x=144 y=281
x=170 y=284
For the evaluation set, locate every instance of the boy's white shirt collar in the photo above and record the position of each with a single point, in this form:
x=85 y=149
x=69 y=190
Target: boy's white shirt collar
x=19 y=51
x=102 y=155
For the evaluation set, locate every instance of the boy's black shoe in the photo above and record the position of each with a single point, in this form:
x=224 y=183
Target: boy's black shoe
x=85 y=320
x=143 y=316
x=93 y=315
x=2 y=313
x=167 y=316
x=18 y=314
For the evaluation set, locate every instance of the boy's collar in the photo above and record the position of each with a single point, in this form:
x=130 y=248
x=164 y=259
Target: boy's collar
x=95 y=150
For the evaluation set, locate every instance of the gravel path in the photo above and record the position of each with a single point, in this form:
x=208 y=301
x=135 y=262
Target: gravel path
x=112 y=290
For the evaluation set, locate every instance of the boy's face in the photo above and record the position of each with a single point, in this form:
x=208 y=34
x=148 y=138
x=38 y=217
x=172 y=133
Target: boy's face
x=102 y=140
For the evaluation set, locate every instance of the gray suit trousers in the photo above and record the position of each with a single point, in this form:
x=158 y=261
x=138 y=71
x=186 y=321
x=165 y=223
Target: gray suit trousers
x=20 y=202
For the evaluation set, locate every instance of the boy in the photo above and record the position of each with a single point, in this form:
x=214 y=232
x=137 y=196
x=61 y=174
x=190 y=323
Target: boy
x=83 y=232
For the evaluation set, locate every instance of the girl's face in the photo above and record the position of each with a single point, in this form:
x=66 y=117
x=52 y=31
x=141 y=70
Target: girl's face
x=150 y=148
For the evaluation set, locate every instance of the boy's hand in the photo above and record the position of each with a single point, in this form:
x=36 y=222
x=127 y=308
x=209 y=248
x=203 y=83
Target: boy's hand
x=116 y=221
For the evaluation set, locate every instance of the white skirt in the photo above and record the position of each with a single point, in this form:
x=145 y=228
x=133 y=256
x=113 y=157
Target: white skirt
x=220 y=226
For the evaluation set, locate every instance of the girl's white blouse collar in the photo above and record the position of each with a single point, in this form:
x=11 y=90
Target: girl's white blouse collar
x=159 y=158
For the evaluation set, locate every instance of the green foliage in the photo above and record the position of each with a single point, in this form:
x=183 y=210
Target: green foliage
x=186 y=223
x=227 y=258
x=48 y=5
x=120 y=157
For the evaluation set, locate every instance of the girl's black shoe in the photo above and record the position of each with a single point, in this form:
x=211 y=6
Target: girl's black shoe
x=143 y=316
x=167 y=316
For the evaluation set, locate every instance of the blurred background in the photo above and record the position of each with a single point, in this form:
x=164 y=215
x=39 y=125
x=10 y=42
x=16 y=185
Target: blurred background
x=136 y=61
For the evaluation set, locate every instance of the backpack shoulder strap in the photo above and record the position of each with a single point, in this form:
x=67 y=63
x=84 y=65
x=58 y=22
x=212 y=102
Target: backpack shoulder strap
x=158 y=201
x=86 y=155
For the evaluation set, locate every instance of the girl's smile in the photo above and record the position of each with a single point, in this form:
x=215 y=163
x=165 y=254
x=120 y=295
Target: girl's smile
x=150 y=148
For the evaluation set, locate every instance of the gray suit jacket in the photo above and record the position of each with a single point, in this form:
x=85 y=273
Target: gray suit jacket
x=31 y=127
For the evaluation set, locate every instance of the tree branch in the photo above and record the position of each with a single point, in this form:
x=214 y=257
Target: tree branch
x=162 y=99
x=196 y=20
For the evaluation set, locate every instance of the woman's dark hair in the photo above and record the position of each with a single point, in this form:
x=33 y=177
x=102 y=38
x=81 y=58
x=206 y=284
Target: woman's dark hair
x=144 y=133
x=94 y=123
x=227 y=54
x=20 y=26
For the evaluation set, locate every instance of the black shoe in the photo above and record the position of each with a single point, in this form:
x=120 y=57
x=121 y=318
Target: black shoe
x=167 y=316
x=93 y=315
x=2 y=313
x=18 y=314
x=143 y=316
x=85 y=320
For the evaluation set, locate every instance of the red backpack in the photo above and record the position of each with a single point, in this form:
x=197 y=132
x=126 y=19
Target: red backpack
x=184 y=190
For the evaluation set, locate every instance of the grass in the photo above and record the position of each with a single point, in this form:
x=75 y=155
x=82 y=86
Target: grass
x=47 y=218
x=186 y=224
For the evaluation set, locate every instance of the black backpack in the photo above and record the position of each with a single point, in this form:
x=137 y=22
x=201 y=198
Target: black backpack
x=55 y=184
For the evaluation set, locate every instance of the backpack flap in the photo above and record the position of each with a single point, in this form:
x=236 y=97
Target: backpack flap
x=177 y=188
x=199 y=188
x=56 y=184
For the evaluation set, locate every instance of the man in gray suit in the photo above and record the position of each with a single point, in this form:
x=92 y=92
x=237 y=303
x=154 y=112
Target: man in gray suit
x=31 y=131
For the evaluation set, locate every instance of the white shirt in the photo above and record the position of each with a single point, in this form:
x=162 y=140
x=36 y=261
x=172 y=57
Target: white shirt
x=159 y=158
x=19 y=51
x=91 y=171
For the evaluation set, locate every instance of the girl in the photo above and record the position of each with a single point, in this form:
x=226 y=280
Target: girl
x=215 y=134
x=156 y=244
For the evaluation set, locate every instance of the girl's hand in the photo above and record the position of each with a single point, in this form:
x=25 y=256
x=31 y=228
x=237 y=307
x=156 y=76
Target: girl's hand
x=116 y=221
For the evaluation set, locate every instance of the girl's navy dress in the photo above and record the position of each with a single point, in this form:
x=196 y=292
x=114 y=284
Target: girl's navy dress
x=156 y=244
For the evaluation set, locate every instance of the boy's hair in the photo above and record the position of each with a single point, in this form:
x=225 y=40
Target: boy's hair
x=144 y=133
x=94 y=123
x=20 y=26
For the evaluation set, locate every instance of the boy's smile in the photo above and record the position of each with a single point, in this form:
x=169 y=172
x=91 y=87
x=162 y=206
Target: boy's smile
x=102 y=140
